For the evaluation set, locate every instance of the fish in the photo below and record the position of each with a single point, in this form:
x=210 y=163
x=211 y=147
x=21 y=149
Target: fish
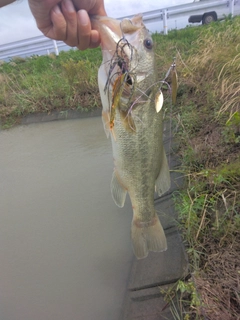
x=132 y=116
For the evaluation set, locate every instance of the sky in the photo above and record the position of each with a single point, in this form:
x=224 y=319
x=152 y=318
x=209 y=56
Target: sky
x=17 y=22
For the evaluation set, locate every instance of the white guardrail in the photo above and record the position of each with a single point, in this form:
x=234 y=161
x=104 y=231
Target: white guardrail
x=43 y=45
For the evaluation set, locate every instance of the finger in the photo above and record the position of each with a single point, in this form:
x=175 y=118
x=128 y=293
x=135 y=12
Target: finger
x=95 y=39
x=5 y=2
x=70 y=16
x=93 y=7
x=42 y=12
x=58 y=30
x=84 y=29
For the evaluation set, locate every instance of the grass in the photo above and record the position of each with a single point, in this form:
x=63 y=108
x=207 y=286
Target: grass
x=207 y=122
x=47 y=83
x=206 y=119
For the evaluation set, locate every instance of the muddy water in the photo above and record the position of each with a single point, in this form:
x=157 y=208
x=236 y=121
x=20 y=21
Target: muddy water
x=65 y=250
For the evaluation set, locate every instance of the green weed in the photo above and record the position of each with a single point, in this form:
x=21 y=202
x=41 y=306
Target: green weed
x=208 y=122
x=46 y=83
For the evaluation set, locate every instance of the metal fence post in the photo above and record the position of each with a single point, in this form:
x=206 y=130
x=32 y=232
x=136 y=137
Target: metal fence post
x=232 y=7
x=165 y=28
x=55 y=47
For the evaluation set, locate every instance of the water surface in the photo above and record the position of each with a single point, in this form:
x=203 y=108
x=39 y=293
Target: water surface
x=65 y=250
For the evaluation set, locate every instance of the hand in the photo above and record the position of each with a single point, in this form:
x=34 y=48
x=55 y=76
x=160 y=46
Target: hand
x=5 y=2
x=60 y=20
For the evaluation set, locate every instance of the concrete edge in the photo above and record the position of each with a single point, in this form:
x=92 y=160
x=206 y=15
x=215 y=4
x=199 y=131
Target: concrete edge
x=59 y=115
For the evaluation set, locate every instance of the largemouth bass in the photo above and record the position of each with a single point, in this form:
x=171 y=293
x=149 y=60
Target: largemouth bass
x=132 y=116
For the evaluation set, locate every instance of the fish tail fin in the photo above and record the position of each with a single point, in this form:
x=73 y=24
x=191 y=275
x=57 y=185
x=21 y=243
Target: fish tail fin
x=148 y=236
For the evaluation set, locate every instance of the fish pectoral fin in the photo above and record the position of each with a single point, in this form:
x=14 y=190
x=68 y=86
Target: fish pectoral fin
x=118 y=191
x=163 y=181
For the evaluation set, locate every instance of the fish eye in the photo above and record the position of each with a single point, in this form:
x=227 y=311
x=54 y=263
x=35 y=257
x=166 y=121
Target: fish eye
x=148 y=43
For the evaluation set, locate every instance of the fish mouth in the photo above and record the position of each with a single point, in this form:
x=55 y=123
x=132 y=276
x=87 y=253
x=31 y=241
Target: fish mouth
x=119 y=55
x=109 y=30
x=115 y=48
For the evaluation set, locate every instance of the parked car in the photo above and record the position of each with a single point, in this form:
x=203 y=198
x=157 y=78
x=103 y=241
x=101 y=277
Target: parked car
x=207 y=16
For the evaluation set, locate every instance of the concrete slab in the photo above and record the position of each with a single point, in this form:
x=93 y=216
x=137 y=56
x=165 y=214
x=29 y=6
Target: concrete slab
x=160 y=268
x=152 y=307
x=59 y=115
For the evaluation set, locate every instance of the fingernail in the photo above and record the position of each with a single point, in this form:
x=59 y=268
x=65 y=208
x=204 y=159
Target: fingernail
x=83 y=17
x=95 y=36
x=56 y=9
x=69 y=5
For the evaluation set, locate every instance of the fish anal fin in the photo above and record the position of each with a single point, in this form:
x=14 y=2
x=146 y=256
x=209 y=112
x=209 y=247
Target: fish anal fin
x=118 y=190
x=148 y=236
x=163 y=181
